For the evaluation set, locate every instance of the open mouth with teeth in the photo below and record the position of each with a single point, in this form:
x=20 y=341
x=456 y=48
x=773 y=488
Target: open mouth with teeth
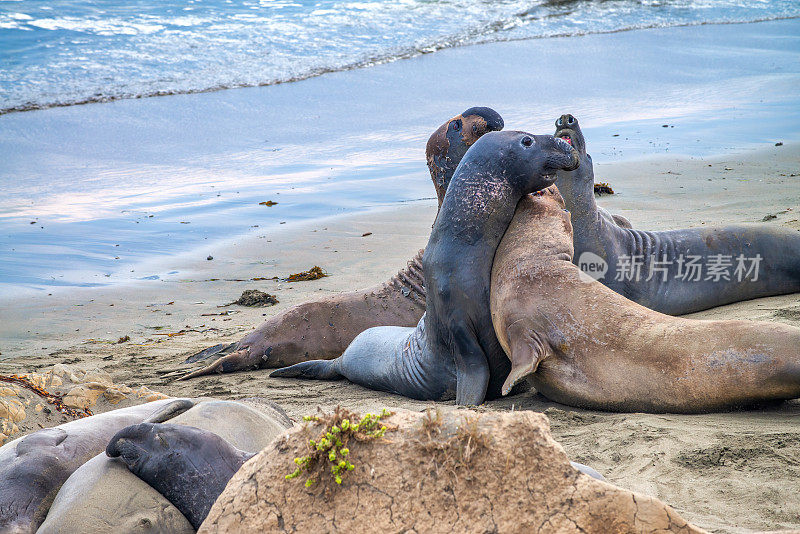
x=565 y=135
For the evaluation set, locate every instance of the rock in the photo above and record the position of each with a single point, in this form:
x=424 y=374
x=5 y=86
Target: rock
x=84 y=396
x=90 y=388
x=99 y=377
x=12 y=410
x=461 y=471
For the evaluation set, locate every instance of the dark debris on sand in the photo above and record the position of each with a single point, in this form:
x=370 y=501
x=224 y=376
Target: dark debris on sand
x=314 y=273
x=603 y=189
x=254 y=297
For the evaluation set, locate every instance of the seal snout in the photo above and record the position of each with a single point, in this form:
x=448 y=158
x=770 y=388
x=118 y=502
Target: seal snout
x=127 y=443
x=571 y=159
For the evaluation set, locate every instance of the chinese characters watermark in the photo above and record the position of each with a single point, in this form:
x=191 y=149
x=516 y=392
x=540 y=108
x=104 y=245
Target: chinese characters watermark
x=686 y=267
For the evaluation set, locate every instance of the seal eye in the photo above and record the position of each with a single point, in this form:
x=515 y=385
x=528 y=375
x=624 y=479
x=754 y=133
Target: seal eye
x=527 y=141
x=457 y=125
x=560 y=122
x=475 y=129
x=571 y=120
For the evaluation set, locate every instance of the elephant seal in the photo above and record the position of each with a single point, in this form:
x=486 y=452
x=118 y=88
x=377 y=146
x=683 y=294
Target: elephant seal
x=454 y=349
x=104 y=496
x=567 y=193
x=676 y=271
x=324 y=328
x=33 y=467
x=188 y=466
x=581 y=344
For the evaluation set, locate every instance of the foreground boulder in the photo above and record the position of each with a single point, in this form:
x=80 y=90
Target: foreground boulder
x=454 y=471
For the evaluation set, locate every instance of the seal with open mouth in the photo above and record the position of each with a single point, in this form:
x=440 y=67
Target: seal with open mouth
x=676 y=271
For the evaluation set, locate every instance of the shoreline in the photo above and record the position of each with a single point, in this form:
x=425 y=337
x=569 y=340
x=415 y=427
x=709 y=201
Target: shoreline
x=373 y=62
x=114 y=185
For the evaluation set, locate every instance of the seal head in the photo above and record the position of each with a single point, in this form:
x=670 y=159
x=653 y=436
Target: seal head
x=448 y=144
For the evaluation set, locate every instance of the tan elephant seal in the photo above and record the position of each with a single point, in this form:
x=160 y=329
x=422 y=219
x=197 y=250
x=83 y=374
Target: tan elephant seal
x=104 y=496
x=582 y=344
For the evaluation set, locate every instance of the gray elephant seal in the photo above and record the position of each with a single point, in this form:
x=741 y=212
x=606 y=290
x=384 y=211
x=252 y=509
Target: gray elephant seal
x=581 y=344
x=104 y=496
x=324 y=328
x=453 y=349
x=677 y=271
x=188 y=466
x=33 y=467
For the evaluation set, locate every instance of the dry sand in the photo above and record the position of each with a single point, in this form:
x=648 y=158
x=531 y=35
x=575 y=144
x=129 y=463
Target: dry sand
x=730 y=472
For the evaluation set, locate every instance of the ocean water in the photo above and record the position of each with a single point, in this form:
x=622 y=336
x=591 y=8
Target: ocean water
x=61 y=52
x=129 y=191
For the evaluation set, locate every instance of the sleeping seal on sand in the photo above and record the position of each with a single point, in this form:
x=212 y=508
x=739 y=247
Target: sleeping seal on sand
x=324 y=328
x=676 y=271
x=33 y=467
x=454 y=350
x=581 y=344
x=187 y=465
x=104 y=496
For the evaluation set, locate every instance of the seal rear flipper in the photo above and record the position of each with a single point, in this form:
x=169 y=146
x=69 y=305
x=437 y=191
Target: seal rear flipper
x=216 y=350
x=314 y=369
x=241 y=360
x=526 y=350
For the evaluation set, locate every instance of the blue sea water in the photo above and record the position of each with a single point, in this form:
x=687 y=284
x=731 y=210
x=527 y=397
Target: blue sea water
x=96 y=194
x=61 y=52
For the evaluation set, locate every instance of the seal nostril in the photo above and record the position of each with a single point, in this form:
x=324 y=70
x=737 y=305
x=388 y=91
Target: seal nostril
x=570 y=120
x=560 y=121
x=527 y=141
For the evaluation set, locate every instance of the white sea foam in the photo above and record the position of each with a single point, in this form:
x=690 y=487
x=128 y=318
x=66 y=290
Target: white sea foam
x=167 y=47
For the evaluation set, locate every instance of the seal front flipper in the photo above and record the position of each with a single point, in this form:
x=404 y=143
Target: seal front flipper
x=172 y=409
x=472 y=368
x=526 y=350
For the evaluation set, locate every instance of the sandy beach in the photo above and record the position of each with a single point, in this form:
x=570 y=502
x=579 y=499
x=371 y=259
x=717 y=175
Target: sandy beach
x=728 y=472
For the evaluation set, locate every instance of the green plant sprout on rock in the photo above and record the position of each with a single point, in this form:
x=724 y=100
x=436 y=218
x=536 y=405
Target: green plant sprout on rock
x=331 y=447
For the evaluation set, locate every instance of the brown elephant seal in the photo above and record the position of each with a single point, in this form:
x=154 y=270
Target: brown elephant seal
x=322 y=329
x=104 y=496
x=33 y=467
x=581 y=344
